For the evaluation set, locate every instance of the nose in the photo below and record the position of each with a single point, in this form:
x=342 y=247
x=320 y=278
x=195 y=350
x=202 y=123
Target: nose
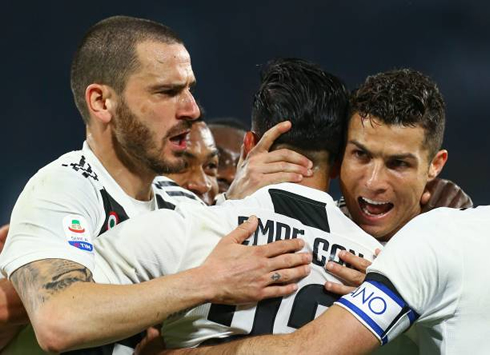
x=199 y=183
x=188 y=107
x=376 y=177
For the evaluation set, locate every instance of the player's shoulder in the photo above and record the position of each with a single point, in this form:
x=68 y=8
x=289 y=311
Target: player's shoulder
x=71 y=171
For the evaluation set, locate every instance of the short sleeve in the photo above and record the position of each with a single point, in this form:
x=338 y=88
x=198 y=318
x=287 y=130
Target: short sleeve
x=416 y=276
x=56 y=216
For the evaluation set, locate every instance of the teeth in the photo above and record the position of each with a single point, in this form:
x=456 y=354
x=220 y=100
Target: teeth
x=378 y=203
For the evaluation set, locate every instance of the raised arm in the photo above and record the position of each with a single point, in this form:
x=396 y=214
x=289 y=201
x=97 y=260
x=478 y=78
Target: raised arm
x=259 y=167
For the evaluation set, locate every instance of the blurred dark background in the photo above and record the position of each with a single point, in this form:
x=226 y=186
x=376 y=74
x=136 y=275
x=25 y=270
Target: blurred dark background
x=449 y=41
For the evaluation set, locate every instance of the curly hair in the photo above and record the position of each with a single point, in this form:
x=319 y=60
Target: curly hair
x=403 y=97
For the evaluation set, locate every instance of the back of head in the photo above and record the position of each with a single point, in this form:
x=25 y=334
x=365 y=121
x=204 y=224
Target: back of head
x=107 y=54
x=403 y=97
x=314 y=101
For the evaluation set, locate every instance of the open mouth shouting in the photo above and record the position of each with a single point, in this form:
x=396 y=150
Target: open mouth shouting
x=179 y=141
x=374 y=209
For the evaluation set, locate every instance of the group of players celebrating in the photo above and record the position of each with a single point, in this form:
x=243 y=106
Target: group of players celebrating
x=101 y=246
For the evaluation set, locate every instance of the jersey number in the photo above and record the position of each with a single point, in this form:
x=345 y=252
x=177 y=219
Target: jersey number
x=303 y=310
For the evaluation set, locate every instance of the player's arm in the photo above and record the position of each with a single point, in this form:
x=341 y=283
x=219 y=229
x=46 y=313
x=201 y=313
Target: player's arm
x=62 y=299
x=334 y=332
x=259 y=167
x=13 y=315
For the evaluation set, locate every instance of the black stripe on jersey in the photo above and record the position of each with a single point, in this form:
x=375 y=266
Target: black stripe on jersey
x=162 y=184
x=162 y=204
x=309 y=212
x=181 y=193
x=221 y=313
x=111 y=205
x=373 y=276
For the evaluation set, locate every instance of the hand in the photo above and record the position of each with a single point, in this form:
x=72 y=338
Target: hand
x=444 y=193
x=352 y=277
x=240 y=274
x=3 y=235
x=152 y=343
x=261 y=167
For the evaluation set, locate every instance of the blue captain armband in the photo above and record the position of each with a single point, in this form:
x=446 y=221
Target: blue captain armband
x=378 y=305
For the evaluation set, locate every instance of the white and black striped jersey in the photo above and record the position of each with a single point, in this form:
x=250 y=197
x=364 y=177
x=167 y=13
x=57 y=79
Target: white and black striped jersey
x=67 y=204
x=284 y=211
x=432 y=272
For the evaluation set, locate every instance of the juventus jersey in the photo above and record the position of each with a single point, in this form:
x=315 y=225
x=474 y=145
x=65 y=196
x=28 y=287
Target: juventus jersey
x=432 y=273
x=68 y=204
x=190 y=233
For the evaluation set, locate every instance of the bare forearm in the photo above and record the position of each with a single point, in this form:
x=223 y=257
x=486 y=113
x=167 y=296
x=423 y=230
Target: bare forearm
x=335 y=332
x=116 y=312
x=69 y=311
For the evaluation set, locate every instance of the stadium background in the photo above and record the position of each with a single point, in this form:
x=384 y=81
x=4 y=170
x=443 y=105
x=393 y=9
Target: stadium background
x=450 y=41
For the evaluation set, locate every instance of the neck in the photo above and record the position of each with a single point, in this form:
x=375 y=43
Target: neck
x=320 y=180
x=134 y=180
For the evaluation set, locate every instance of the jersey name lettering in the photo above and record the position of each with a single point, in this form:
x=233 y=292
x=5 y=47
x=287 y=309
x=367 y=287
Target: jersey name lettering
x=273 y=230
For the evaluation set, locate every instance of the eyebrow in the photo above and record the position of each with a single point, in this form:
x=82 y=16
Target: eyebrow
x=177 y=87
x=394 y=156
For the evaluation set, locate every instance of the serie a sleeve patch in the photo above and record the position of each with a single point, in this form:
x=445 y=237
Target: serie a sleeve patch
x=378 y=305
x=77 y=232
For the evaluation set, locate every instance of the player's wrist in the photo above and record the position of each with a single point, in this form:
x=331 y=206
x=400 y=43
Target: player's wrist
x=204 y=284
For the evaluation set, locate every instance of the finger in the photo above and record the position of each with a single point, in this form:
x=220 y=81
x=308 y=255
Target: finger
x=242 y=232
x=356 y=262
x=350 y=277
x=276 y=178
x=289 y=260
x=286 y=276
x=448 y=196
x=339 y=289
x=281 y=247
x=271 y=135
x=278 y=290
x=283 y=167
x=152 y=333
x=286 y=155
x=377 y=251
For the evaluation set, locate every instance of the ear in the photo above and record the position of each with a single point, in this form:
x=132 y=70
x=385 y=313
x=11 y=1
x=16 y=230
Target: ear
x=249 y=142
x=437 y=164
x=100 y=101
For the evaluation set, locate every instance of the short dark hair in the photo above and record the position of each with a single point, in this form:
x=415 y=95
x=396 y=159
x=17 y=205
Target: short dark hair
x=315 y=102
x=107 y=54
x=403 y=97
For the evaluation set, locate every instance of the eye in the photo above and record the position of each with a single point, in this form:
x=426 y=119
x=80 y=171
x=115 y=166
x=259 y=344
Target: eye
x=398 y=164
x=170 y=92
x=211 y=168
x=360 y=154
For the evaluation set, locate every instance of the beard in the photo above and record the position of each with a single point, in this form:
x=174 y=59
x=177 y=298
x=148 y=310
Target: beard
x=138 y=148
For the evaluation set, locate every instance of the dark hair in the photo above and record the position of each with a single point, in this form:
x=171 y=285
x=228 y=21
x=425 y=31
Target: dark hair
x=403 y=97
x=107 y=55
x=315 y=102
x=231 y=122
